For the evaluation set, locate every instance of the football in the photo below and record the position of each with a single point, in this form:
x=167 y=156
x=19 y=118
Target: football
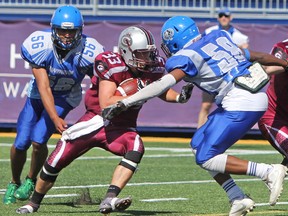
x=127 y=87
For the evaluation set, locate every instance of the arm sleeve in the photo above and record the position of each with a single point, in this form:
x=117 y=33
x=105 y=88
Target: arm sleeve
x=246 y=54
x=152 y=90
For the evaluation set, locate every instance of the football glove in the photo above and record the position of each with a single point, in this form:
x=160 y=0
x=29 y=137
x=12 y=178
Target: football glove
x=186 y=93
x=110 y=112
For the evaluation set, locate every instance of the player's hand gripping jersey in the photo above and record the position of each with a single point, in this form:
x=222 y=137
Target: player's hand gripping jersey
x=65 y=74
x=111 y=66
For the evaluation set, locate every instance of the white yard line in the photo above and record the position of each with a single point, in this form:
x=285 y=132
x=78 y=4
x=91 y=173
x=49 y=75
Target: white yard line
x=144 y=184
x=61 y=195
x=187 y=153
x=164 y=199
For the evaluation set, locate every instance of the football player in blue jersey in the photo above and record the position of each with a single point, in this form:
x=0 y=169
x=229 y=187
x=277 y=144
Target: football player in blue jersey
x=60 y=58
x=215 y=64
x=242 y=40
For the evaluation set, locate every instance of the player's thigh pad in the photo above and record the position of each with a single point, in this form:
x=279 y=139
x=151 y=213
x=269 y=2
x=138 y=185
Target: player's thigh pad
x=45 y=127
x=122 y=140
x=26 y=122
x=221 y=131
x=275 y=130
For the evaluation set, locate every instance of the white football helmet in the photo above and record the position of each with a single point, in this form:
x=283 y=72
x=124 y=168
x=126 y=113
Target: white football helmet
x=137 y=47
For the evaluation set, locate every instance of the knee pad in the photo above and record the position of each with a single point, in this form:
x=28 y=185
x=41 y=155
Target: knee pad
x=131 y=160
x=194 y=151
x=216 y=164
x=49 y=173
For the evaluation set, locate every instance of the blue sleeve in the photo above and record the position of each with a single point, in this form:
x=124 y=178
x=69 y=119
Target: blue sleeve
x=246 y=54
x=183 y=63
x=25 y=54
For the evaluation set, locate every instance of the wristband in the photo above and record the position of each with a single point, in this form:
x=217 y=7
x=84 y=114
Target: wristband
x=246 y=54
x=177 y=98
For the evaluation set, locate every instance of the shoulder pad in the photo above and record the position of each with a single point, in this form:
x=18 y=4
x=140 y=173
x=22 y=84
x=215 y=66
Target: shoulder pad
x=36 y=47
x=91 y=48
x=107 y=64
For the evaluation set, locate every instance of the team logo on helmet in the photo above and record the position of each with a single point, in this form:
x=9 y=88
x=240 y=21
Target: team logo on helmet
x=126 y=40
x=168 y=34
x=67 y=25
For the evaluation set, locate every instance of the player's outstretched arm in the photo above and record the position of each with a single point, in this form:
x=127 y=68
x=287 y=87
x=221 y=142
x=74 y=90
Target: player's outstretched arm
x=267 y=59
x=47 y=98
x=155 y=89
x=152 y=90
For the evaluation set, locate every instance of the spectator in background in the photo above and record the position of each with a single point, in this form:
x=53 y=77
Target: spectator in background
x=60 y=58
x=224 y=19
x=242 y=41
x=274 y=123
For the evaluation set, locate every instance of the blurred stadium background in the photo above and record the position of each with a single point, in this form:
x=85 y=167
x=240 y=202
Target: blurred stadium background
x=264 y=21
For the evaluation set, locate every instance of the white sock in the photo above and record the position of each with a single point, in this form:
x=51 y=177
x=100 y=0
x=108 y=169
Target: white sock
x=258 y=169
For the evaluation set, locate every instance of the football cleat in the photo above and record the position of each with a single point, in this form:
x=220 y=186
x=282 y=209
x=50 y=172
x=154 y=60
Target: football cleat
x=25 y=190
x=274 y=182
x=9 y=194
x=242 y=207
x=26 y=209
x=285 y=162
x=110 y=204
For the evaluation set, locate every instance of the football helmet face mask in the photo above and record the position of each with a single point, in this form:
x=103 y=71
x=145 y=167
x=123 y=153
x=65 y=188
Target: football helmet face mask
x=176 y=32
x=66 y=26
x=137 y=47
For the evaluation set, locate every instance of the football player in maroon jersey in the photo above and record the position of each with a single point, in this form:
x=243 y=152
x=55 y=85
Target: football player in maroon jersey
x=274 y=123
x=138 y=58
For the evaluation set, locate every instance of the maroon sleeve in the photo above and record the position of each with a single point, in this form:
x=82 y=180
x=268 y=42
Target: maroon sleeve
x=279 y=50
x=110 y=66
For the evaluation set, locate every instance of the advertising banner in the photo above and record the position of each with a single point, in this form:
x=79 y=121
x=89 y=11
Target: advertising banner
x=15 y=72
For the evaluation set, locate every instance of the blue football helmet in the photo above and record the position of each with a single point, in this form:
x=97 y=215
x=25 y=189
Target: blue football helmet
x=176 y=32
x=67 y=18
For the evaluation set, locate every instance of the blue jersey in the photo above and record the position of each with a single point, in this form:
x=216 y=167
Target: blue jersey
x=238 y=37
x=211 y=63
x=65 y=74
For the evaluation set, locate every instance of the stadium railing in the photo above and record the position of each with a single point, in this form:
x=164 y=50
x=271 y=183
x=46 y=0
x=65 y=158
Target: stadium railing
x=246 y=9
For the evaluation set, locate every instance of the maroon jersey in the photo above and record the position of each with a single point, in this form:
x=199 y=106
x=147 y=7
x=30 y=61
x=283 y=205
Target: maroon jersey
x=274 y=123
x=278 y=88
x=91 y=97
x=110 y=66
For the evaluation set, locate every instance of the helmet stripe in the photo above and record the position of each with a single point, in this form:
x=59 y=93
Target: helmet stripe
x=149 y=37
